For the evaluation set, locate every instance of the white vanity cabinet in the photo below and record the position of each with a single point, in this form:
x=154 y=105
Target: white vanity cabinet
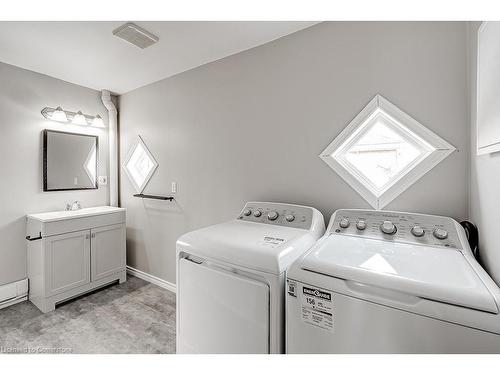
x=73 y=252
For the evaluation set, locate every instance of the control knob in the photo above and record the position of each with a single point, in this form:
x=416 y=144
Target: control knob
x=440 y=234
x=272 y=215
x=388 y=227
x=247 y=212
x=257 y=213
x=361 y=225
x=344 y=223
x=289 y=218
x=417 y=231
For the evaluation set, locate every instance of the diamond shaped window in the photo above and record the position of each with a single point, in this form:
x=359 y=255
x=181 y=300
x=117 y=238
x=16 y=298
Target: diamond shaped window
x=383 y=151
x=139 y=165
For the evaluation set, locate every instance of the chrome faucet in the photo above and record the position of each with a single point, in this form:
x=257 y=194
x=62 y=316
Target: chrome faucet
x=76 y=205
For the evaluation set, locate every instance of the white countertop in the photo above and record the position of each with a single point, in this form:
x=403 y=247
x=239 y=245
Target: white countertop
x=64 y=215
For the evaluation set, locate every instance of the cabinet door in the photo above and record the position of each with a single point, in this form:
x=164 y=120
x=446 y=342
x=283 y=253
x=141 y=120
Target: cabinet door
x=107 y=250
x=67 y=261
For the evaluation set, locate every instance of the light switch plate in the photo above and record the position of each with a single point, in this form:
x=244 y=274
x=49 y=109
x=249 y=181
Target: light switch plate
x=103 y=180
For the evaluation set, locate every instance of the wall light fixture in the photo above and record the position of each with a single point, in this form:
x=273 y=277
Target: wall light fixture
x=77 y=118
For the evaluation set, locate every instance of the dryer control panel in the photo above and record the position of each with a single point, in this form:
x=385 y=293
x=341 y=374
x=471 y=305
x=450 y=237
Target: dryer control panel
x=397 y=226
x=288 y=215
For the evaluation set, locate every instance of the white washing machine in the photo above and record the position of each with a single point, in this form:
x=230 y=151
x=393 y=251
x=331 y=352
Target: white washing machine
x=391 y=282
x=231 y=278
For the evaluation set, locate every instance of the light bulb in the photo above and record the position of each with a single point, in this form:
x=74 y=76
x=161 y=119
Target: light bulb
x=79 y=119
x=97 y=122
x=59 y=115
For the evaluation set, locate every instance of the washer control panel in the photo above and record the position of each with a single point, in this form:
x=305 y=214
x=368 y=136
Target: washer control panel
x=287 y=215
x=397 y=226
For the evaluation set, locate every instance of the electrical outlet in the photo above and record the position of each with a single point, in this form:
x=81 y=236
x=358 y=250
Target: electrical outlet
x=103 y=180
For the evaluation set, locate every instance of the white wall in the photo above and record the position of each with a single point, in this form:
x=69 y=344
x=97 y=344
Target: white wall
x=484 y=179
x=23 y=94
x=250 y=127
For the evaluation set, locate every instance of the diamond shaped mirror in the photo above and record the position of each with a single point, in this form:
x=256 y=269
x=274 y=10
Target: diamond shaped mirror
x=139 y=165
x=383 y=151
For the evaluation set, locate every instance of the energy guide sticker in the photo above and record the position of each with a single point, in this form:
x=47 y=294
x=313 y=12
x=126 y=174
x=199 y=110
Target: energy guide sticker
x=317 y=308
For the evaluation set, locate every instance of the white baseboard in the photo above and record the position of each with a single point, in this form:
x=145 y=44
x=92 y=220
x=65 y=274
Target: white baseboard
x=152 y=279
x=13 y=302
x=13 y=293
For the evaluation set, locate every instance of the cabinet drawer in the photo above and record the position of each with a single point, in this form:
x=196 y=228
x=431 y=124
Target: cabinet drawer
x=81 y=223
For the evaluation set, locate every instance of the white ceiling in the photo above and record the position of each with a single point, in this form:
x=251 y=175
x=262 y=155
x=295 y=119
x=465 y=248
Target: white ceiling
x=88 y=54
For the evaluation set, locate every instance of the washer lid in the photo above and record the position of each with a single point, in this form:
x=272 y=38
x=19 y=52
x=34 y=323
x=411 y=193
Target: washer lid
x=438 y=274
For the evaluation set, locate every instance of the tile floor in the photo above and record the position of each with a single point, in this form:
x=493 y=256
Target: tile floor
x=134 y=317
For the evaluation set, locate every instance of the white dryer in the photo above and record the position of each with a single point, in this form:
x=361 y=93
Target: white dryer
x=231 y=278
x=391 y=282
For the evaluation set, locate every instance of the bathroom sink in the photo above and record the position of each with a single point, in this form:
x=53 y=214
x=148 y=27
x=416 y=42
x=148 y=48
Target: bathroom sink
x=62 y=215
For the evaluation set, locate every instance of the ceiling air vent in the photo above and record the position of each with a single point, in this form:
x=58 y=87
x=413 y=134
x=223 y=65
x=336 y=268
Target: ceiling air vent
x=136 y=35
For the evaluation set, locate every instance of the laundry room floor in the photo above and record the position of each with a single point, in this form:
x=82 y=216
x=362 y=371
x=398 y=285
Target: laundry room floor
x=134 y=317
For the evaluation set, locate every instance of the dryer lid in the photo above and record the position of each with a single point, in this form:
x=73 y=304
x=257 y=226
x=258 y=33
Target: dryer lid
x=261 y=247
x=439 y=274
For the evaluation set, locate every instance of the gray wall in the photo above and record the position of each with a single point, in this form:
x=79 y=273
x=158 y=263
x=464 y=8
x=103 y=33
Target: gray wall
x=484 y=180
x=23 y=94
x=250 y=127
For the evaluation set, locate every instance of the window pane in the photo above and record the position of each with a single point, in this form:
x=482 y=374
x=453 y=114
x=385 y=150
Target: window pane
x=381 y=153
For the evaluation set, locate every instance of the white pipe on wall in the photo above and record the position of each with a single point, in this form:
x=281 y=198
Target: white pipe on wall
x=113 y=146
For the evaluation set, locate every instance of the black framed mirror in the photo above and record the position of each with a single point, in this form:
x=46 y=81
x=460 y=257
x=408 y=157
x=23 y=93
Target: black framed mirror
x=70 y=161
